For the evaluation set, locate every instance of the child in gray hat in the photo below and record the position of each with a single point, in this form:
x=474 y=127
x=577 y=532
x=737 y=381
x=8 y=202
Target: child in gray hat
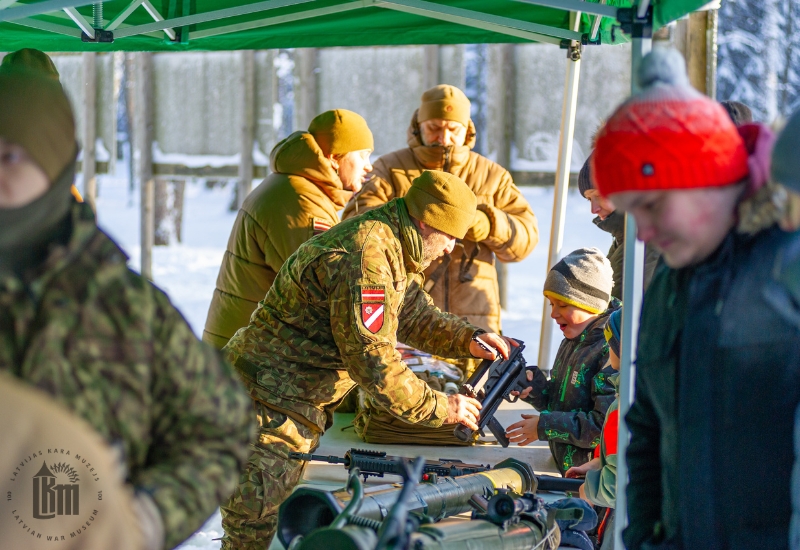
x=573 y=402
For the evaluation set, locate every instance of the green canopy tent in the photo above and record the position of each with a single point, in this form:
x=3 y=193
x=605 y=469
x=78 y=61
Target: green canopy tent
x=185 y=25
x=181 y=25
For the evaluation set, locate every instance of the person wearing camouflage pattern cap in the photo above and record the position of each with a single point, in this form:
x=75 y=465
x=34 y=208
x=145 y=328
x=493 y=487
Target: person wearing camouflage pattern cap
x=331 y=321
x=76 y=323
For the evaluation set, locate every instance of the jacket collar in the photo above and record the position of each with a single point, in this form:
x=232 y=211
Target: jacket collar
x=449 y=159
x=614 y=224
x=83 y=235
x=407 y=233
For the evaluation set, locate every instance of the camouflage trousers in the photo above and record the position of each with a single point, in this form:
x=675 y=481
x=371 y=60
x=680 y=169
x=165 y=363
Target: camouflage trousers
x=250 y=517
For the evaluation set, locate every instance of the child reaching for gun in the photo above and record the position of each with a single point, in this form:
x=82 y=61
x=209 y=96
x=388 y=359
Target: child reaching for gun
x=573 y=402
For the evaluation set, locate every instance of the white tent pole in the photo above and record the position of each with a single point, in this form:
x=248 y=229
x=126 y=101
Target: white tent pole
x=632 y=294
x=568 y=111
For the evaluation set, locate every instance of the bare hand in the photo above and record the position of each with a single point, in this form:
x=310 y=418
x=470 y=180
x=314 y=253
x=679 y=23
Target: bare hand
x=525 y=431
x=494 y=341
x=580 y=471
x=464 y=410
x=527 y=391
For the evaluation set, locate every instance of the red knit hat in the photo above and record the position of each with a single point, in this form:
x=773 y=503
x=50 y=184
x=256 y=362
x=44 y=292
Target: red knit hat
x=667 y=136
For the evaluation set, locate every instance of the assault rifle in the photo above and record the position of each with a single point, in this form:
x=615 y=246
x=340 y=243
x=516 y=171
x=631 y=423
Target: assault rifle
x=377 y=463
x=505 y=376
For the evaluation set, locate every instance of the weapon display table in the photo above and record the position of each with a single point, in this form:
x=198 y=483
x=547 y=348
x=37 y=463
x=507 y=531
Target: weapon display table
x=337 y=441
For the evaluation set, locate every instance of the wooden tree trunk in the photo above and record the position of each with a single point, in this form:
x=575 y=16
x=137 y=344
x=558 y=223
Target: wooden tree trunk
x=168 y=211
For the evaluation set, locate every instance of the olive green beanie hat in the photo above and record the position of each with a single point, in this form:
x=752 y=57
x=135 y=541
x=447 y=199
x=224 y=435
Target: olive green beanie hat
x=35 y=114
x=442 y=201
x=445 y=102
x=31 y=59
x=341 y=131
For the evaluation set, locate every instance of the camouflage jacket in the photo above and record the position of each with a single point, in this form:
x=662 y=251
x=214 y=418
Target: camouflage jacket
x=574 y=401
x=332 y=320
x=109 y=345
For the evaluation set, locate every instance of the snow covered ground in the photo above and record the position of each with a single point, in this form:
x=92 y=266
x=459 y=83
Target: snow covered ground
x=188 y=271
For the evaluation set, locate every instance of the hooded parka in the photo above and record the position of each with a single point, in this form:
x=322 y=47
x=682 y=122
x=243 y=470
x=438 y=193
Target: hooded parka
x=468 y=287
x=298 y=200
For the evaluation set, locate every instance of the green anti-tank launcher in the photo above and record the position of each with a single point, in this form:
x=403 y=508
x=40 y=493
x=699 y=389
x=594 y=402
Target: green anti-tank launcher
x=307 y=510
x=501 y=521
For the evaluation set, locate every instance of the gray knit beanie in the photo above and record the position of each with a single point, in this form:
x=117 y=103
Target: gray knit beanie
x=785 y=159
x=585 y=177
x=583 y=278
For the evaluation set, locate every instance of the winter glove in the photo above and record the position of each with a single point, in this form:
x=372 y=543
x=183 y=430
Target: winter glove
x=480 y=229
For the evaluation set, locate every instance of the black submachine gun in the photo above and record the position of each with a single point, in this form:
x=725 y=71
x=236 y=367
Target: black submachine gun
x=505 y=376
x=377 y=463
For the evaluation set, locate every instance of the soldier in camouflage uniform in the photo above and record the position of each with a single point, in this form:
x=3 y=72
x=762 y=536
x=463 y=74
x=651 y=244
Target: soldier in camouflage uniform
x=331 y=321
x=78 y=324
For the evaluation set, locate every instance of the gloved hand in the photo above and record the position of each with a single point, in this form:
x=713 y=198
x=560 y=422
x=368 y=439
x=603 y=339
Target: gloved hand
x=481 y=226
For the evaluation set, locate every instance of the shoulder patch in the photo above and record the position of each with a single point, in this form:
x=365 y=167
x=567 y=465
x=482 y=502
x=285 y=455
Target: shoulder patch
x=373 y=306
x=318 y=225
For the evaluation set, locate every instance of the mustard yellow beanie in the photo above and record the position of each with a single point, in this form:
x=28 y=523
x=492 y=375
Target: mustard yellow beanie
x=341 y=131
x=446 y=102
x=442 y=201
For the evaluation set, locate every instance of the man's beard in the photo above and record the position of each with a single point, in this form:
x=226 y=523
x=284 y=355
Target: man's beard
x=428 y=250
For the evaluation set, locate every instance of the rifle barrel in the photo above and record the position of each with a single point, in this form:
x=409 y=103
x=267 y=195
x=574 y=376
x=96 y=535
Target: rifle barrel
x=318 y=458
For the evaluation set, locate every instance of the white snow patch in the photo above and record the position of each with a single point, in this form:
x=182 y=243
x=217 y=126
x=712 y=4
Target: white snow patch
x=201 y=161
x=101 y=154
x=540 y=154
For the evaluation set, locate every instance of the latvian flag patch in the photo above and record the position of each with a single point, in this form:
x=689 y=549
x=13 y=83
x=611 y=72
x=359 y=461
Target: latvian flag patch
x=372 y=308
x=320 y=226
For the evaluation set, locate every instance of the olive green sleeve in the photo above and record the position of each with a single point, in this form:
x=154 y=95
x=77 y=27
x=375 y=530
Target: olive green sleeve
x=201 y=426
x=425 y=327
x=373 y=362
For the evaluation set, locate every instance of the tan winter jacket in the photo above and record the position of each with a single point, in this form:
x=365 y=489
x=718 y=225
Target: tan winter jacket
x=466 y=290
x=298 y=200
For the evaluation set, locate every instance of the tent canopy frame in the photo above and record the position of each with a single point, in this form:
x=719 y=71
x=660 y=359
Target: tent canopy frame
x=190 y=25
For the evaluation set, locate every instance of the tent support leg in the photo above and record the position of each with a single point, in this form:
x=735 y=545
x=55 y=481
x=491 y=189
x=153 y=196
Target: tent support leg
x=568 y=112
x=89 y=128
x=143 y=156
x=248 y=126
x=633 y=293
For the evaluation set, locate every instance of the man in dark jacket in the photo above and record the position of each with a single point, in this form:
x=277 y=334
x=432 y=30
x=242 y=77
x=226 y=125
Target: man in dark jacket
x=711 y=426
x=786 y=172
